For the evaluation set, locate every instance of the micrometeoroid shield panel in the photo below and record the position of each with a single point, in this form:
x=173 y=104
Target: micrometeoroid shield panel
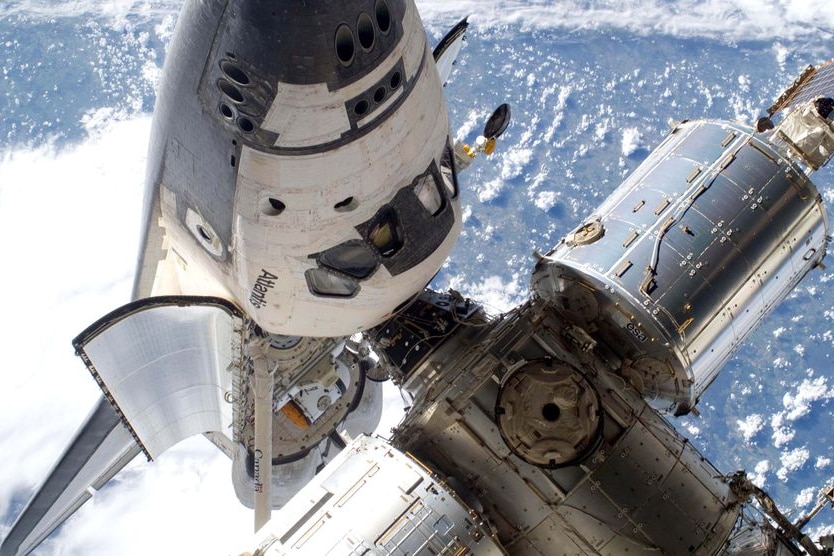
x=404 y=509
x=166 y=368
x=687 y=256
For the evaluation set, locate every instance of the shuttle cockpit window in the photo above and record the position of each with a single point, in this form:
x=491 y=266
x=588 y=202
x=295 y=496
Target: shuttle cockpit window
x=352 y=257
x=326 y=283
x=428 y=191
x=448 y=172
x=385 y=235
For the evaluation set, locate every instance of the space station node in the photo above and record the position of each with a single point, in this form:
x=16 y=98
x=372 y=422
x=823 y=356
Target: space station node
x=549 y=441
x=687 y=256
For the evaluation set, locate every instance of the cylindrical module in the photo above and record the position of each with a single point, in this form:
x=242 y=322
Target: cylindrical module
x=686 y=257
x=375 y=499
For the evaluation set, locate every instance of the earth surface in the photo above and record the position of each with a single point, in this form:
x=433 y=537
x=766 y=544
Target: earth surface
x=593 y=87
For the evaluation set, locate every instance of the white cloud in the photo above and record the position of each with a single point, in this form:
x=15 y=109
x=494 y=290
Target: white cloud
x=490 y=190
x=546 y=200
x=716 y=19
x=514 y=161
x=781 y=434
x=723 y=20
x=466 y=213
x=792 y=460
x=115 y=10
x=805 y=496
x=798 y=403
x=184 y=498
x=466 y=130
x=750 y=426
x=632 y=140
x=759 y=475
x=493 y=292
x=71 y=222
x=693 y=429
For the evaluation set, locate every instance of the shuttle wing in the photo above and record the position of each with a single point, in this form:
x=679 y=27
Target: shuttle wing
x=99 y=450
x=165 y=366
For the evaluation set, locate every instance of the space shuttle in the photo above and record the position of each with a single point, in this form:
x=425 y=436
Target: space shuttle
x=301 y=188
x=302 y=192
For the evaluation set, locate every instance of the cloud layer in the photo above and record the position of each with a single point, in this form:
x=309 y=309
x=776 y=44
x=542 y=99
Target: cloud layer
x=716 y=19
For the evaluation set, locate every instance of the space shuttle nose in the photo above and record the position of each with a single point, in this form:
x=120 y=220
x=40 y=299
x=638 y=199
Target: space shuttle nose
x=307 y=43
x=306 y=56
x=313 y=174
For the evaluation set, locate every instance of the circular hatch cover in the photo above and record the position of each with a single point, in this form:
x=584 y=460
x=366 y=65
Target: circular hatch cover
x=549 y=414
